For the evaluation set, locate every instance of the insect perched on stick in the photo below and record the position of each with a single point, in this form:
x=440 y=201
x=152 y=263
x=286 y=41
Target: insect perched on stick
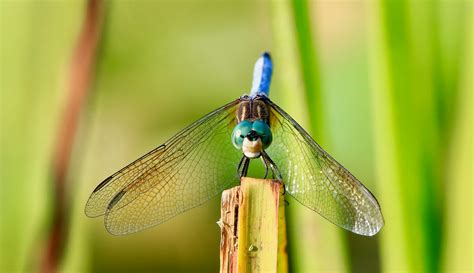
x=212 y=154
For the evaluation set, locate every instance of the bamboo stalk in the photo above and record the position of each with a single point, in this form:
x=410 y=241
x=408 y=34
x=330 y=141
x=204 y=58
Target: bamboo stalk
x=251 y=239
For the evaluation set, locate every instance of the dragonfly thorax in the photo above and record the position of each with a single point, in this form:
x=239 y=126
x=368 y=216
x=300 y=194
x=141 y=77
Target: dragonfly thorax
x=253 y=109
x=252 y=137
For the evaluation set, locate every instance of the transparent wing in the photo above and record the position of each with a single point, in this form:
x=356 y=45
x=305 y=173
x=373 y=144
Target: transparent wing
x=318 y=181
x=190 y=168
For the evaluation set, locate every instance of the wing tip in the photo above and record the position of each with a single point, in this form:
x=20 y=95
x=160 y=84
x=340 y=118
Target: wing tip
x=372 y=227
x=102 y=184
x=89 y=210
x=114 y=232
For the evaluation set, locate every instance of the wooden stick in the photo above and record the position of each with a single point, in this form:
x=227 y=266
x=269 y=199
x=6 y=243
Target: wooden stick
x=282 y=260
x=250 y=228
x=228 y=224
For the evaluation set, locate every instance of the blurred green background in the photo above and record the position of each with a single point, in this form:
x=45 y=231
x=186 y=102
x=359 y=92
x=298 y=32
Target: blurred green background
x=384 y=86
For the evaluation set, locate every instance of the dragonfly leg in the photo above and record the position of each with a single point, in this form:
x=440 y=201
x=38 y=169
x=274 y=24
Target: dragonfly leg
x=269 y=162
x=245 y=169
x=244 y=166
x=266 y=167
x=240 y=166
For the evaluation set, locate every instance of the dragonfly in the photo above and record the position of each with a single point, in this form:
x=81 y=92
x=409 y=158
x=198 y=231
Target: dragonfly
x=214 y=152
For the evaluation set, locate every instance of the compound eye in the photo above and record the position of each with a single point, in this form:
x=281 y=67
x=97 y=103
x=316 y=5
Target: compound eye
x=239 y=133
x=264 y=132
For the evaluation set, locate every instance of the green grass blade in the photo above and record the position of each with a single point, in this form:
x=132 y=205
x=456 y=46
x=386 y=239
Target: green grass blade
x=297 y=78
x=309 y=66
x=413 y=93
x=458 y=241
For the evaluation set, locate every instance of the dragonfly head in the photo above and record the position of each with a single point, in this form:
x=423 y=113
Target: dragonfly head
x=252 y=137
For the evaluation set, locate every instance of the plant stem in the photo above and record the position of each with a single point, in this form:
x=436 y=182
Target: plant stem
x=80 y=77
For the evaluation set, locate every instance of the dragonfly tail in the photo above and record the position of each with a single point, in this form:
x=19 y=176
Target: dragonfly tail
x=262 y=76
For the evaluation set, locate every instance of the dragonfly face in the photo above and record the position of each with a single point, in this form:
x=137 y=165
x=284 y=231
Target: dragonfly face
x=252 y=134
x=202 y=160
